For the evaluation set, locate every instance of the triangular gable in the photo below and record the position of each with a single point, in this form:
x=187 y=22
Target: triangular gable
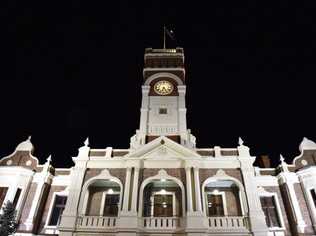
x=163 y=147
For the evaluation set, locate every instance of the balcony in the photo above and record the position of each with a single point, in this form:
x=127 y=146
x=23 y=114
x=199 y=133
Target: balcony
x=161 y=223
x=96 y=223
x=228 y=223
x=165 y=224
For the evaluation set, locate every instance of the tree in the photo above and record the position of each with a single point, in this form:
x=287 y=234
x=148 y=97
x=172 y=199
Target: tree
x=8 y=223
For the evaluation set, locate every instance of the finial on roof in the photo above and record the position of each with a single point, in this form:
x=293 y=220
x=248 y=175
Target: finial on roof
x=47 y=164
x=49 y=159
x=240 y=141
x=307 y=144
x=282 y=158
x=284 y=165
x=25 y=145
x=86 y=142
x=29 y=138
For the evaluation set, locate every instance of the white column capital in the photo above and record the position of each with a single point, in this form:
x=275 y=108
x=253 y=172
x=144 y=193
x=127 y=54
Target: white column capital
x=145 y=89
x=181 y=89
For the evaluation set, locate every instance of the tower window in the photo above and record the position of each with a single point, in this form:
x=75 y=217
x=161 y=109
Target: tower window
x=163 y=111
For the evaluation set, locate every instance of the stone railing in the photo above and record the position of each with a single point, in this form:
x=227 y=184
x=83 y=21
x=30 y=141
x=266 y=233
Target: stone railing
x=96 y=222
x=228 y=223
x=161 y=222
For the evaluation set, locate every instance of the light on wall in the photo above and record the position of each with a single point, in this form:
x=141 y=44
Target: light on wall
x=163 y=191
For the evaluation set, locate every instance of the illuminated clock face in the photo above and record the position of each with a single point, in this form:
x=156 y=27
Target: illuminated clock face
x=163 y=87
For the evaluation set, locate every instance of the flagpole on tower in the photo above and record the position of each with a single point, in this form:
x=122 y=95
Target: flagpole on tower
x=164 y=37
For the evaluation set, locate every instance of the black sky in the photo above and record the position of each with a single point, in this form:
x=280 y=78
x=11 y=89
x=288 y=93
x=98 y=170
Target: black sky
x=73 y=69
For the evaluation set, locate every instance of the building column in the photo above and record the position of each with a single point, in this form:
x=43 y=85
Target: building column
x=127 y=188
x=197 y=190
x=45 y=179
x=128 y=221
x=189 y=189
x=182 y=113
x=144 y=114
x=69 y=218
x=256 y=215
x=135 y=190
x=288 y=179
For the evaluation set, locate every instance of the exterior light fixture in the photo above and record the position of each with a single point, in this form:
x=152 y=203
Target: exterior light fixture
x=215 y=191
x=110 y=191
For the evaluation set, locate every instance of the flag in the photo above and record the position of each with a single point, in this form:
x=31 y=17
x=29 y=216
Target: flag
x=171 y=34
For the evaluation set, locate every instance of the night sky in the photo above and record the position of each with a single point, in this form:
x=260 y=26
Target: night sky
x=73 y=69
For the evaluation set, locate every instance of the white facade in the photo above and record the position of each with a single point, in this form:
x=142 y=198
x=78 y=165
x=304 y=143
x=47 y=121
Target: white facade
x=162 y=184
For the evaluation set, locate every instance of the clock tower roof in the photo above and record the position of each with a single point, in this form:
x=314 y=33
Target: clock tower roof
x=164 y=60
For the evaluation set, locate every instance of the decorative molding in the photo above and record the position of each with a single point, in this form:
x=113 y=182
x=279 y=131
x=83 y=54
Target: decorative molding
x=163 y=74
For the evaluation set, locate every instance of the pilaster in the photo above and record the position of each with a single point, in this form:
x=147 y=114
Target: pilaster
x=144 y=113
x=70 y=214
x=182 y=113
x=197 y=190
x=256 y=216
x=44 y=178
x=288 y=179
x=127 y=189
x=189 y=189
x=195 y=221
x=135 y=190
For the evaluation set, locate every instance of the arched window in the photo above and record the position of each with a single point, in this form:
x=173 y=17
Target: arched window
x=222 y=198
x=223 y=195
x=162 y=198
x=102 y=198
x=162 y=195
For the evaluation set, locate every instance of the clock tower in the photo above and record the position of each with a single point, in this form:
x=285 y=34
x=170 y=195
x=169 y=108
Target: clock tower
x=163 y=110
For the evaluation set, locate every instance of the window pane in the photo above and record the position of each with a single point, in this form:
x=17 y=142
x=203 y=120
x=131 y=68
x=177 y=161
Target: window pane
x=215 y=205
x=163 y=205
x=163 y=111
x=16 y=197
x=270 y=211
x=313 y=196
x=111 y=205
x=58 y=208
x=3 y=193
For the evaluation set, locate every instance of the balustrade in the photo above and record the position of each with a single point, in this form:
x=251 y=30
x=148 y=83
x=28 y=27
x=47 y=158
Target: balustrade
x=161 y=222
x=96 y=222
x=227 y=222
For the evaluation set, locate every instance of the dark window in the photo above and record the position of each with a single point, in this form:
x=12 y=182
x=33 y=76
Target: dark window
x=16 y=197
x=111 y=205
x=58 y=208
x=270 y=211
x=215 y=205
x=313 y=196
x=3 y=193
x=163 y=111
x=163 y=205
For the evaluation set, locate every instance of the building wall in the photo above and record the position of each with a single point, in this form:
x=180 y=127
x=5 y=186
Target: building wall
x=283 y=206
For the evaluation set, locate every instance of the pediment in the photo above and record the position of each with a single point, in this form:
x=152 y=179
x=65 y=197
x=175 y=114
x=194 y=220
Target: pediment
x=163 y=148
